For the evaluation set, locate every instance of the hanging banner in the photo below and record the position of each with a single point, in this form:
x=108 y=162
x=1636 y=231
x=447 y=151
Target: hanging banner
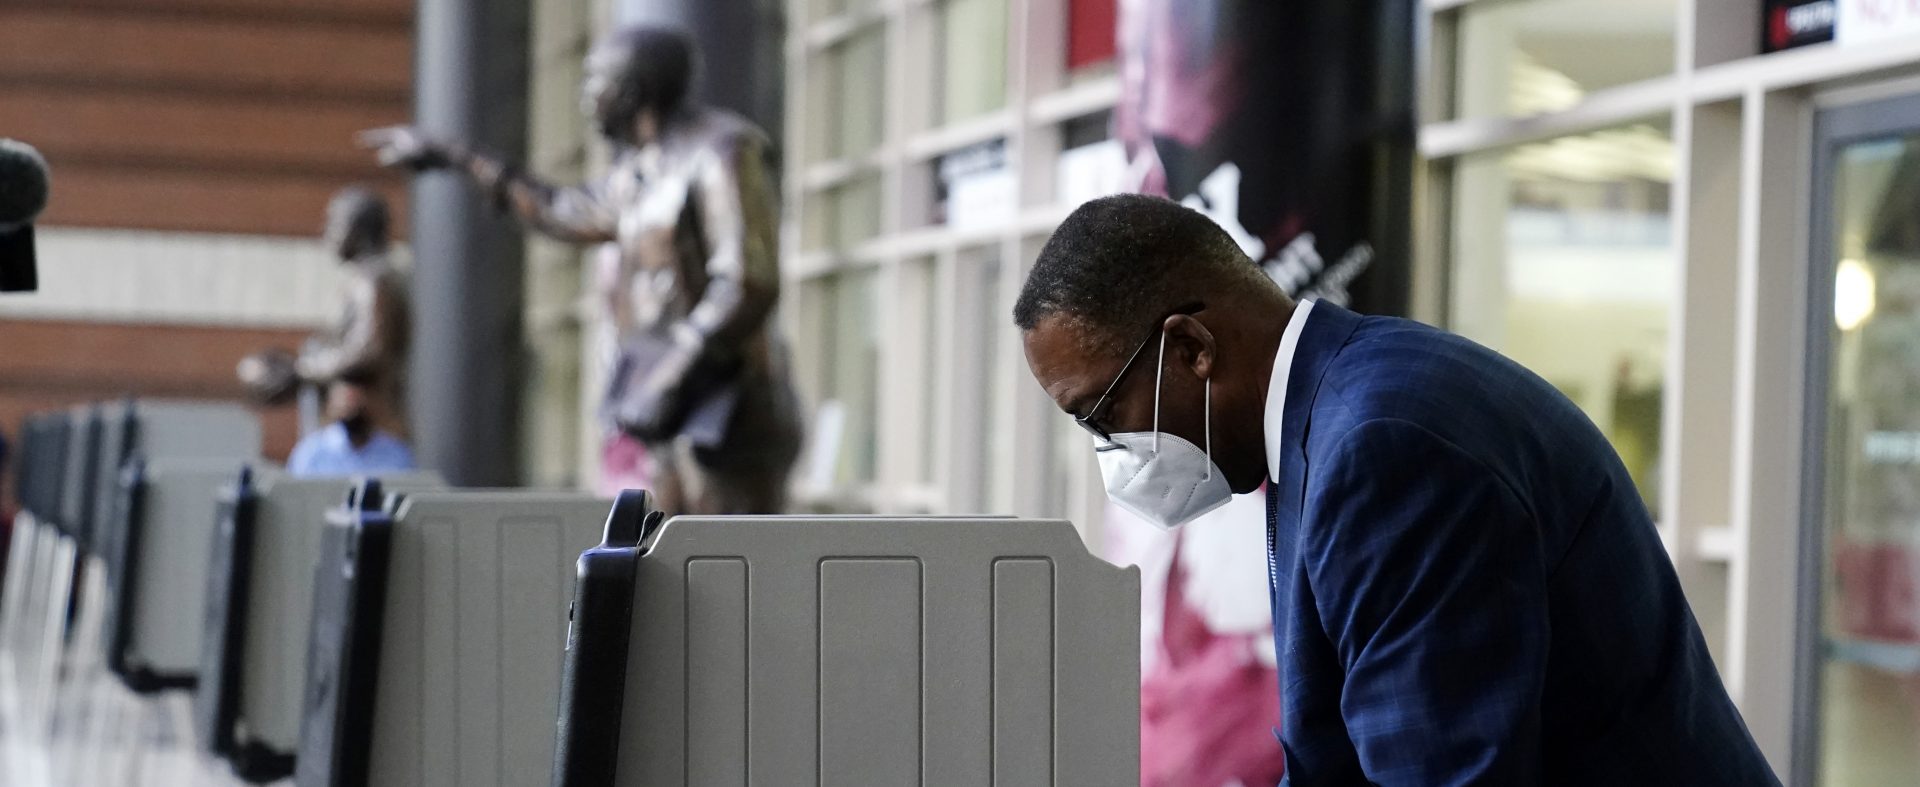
x=1290 y=122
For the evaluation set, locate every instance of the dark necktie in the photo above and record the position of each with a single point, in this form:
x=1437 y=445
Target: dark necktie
x=1273 y=526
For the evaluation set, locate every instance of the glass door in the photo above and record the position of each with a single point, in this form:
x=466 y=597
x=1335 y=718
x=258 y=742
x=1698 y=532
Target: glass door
x=1860 y=690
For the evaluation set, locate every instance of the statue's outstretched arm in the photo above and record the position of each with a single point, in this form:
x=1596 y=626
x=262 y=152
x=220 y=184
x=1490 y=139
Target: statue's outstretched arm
x=578 y=214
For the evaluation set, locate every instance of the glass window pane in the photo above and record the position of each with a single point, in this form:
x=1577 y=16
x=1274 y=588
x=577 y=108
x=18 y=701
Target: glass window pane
x=852 y=372
x=837 y=360
x=984 y=265
x=1066 y=444
x=924 y=316
x=1091 y=163
x=1563 y=261
x=856 y=211
x=843 y=216
x=1522 y=57
x=1870 y=719
x=852 y=122
x=823 y=9
x=974 y=43
x=1086 y=130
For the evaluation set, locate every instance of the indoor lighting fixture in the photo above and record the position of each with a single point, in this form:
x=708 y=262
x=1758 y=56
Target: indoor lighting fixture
x=1852 y=294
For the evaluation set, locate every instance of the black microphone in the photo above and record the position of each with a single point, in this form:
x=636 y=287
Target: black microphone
x=23 y=193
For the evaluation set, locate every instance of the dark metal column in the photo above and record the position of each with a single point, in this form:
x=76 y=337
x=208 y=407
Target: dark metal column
x=1388 y=287
x=470 y=84
x=740 y=41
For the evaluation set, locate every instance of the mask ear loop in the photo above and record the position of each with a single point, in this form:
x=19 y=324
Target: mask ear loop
x=1208 y=427
x=1159 y=375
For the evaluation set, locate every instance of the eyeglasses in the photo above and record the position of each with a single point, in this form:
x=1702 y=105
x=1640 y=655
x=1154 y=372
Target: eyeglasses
x=1090 y=421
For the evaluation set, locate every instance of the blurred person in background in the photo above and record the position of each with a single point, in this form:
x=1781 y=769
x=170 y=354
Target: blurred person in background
x=702 y=380
x=351 y=443
x=364 y=353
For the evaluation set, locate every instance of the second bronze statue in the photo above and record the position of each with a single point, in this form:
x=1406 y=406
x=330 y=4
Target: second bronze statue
x=702 y=380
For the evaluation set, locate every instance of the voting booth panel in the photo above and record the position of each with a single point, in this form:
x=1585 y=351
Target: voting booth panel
x=23 y=566
x=438 y=630
x=37 y=617
x=19 y=567
x=75 y=506
x=38 y=461
x=43 y=642
x=189 y=430
x=62 y=700
x=865 y=651
x=32 y=531
x=26 y=583
x=61 y=502
x=157 y=576
x=156 y=544
x=45 y=568
x=117 y=430
x=49 y=461
x=153 y=431
x=259 y=601
x=78 y=473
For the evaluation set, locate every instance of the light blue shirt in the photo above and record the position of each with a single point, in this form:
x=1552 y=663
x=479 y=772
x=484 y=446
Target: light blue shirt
x=330 y=452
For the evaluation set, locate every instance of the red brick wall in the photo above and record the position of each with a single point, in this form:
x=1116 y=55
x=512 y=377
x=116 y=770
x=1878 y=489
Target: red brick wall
x=47 y=364
x=203 y=115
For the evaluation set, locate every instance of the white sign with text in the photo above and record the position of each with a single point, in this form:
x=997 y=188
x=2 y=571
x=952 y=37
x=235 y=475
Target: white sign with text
x=1863 y=21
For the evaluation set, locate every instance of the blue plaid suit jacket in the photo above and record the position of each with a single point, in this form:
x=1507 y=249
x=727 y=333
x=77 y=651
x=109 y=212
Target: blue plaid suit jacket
x=1467 y=587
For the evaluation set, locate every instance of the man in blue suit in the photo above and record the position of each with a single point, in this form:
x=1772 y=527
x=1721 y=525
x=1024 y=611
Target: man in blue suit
x=1466 y=587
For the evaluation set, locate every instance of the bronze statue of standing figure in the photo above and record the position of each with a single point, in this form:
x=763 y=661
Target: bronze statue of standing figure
x=366 y=346
x=702 y=381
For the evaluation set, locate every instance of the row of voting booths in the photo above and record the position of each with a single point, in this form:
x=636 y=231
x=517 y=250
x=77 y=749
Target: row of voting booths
x=178 y=611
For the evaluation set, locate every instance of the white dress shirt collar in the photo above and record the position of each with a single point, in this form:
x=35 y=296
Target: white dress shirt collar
x=1277 y=385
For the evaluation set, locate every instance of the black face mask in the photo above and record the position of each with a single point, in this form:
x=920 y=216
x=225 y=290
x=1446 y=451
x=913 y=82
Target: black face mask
x=359 y=426
x=616 y=123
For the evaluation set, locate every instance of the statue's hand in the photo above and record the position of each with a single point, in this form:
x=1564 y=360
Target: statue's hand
x=269 y=377
x=406 y=147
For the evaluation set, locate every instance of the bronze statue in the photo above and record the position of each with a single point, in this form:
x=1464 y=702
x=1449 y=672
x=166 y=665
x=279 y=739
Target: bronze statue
x=702 y=381
x=366 y=347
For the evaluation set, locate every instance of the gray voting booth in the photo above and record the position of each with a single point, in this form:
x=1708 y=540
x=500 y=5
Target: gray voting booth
x=253 y=658
x=848 y=651
x=64 y=576
x=74 y=519
x=157 y=542
x=437 y=637
x=41 y=560
x=78 y=473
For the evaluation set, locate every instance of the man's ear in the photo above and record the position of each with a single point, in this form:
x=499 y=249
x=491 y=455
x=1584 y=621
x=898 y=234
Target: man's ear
x=1189 y=341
